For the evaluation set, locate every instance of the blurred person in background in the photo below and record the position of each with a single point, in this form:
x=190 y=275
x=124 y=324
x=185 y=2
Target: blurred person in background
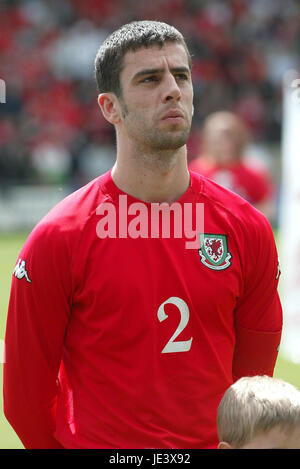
x=222 y=159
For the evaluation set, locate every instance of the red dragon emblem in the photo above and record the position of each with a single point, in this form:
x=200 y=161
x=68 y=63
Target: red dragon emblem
x=214 y=247
x=214 y=252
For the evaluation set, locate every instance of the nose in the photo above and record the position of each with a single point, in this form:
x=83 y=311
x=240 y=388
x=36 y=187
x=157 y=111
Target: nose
x=171 y=90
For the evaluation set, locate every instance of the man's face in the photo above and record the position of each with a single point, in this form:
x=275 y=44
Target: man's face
x=157 y=97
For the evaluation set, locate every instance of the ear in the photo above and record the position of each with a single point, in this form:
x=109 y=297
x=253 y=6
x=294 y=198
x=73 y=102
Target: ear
x=224 y=445
x=110 y=107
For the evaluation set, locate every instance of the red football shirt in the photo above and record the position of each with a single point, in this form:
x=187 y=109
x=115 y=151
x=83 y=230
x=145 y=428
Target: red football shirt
x=131 y=343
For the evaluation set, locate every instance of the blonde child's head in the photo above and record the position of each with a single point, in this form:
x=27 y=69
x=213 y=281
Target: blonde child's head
x=259 y=412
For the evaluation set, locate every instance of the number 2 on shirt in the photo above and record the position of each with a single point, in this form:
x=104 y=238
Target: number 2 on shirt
x=172 y=345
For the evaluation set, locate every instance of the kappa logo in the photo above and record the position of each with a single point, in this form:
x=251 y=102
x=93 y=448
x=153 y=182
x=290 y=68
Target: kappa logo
x=214 y=252
x=278 y=270
x=20 y=270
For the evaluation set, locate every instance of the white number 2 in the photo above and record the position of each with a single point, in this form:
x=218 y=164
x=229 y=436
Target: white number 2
x=180 y=345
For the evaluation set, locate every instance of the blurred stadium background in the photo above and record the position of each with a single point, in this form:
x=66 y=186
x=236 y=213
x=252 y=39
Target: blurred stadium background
x=53 y=138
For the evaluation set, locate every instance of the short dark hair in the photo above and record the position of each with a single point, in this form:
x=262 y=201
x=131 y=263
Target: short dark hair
x=131 y=36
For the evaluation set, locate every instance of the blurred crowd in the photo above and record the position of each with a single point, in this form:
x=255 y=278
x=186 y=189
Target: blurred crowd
x=51 y=129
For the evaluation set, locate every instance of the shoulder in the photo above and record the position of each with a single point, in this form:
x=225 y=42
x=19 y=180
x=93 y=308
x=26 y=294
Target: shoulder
x=65 y=222
x=223 y=203
x=76 y=208
x=247 y=228
x=215 y=194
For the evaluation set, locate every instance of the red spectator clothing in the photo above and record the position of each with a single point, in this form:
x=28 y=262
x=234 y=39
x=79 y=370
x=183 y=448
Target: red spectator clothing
x=251 y=183
x=131 y=343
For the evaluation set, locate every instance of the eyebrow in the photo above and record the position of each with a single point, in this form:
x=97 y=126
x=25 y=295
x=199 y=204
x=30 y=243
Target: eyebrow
x=154 y=71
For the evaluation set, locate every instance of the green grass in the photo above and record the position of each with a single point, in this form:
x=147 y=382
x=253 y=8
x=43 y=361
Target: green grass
x=10 y=246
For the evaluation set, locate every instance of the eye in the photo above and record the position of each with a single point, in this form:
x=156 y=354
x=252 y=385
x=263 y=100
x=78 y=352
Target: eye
x=181 y=76
x=150 y=79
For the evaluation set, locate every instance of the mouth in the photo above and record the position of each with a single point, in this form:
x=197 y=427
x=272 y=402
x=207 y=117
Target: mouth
x=173 y=116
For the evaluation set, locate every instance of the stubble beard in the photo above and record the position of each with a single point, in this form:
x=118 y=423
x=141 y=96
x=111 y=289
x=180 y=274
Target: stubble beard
x=167 y=140
x=162 y=143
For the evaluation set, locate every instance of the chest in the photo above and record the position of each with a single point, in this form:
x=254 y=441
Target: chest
x=139 y=285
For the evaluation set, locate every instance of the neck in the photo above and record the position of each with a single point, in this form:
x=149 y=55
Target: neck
x=152 y=177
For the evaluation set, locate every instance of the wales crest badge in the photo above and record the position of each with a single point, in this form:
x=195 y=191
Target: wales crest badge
x=214 y=252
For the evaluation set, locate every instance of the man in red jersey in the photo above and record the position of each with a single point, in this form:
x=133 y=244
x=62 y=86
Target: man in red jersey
x=129 y=340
